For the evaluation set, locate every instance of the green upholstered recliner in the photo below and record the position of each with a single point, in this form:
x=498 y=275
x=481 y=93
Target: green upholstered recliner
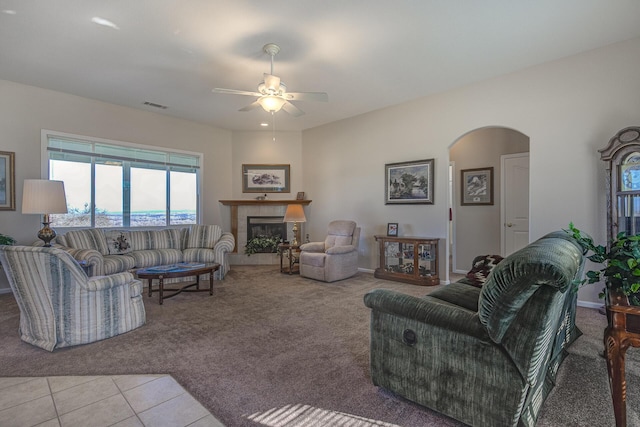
x=484 y=356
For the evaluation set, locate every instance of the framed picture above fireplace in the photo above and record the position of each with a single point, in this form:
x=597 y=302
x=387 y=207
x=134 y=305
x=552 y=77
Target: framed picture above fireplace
x=265 y=179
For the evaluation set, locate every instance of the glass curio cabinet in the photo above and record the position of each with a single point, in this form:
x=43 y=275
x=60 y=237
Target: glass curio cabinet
x=622 y=157
x=408 y=259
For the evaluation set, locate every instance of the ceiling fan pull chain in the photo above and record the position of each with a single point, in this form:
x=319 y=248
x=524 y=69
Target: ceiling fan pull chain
x=273 y=116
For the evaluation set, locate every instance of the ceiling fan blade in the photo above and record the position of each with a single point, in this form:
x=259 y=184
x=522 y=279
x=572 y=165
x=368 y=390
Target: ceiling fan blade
x=292 y=109
x=251 y=106
x=235 y=92
x=271 y=82
x=307 y=96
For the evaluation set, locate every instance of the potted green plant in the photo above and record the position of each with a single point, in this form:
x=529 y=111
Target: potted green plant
x=262 y=244
x=7 y=240
x=620 y=263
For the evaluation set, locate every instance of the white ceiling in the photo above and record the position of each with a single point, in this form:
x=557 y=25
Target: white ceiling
x=366 y=54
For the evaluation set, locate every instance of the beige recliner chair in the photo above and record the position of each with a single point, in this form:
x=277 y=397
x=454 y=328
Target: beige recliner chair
x=334 y=259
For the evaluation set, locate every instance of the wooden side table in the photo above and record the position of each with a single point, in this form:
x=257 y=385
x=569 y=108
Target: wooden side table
x=293 y=254
x=623 y=330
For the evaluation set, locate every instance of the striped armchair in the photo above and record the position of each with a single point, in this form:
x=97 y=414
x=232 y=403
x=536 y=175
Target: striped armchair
x=60 y=306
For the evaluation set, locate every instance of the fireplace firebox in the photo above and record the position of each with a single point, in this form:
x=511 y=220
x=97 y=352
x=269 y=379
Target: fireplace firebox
x=266 y=226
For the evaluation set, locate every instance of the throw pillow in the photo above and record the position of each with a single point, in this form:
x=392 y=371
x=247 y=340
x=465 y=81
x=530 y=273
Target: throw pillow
x=118 y=243
x=482 y=266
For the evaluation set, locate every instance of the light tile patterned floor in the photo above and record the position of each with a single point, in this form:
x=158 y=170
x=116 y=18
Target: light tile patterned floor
x=121 y=400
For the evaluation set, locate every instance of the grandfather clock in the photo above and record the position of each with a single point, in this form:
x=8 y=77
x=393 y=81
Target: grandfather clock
x=622 y=156
x=623 y=214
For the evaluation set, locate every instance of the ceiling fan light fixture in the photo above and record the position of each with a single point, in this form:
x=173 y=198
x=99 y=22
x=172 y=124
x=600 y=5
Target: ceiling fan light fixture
x=271 y=104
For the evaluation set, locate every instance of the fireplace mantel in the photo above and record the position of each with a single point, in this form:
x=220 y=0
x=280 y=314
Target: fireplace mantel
x=243 y=202
x=253 y=202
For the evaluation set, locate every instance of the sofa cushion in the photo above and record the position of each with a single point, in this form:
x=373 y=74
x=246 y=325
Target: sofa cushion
x=198 y=255
x=117 y=263
x=150 y=258
x=90 y=238
x=203 y=236
x=170 y=238
x=118 y=242
x=482 y=266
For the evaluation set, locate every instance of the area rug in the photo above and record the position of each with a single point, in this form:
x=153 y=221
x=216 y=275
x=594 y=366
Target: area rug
x=269 y=349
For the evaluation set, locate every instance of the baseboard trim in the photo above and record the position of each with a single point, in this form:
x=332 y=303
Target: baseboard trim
x=366 y=270
x=589 y=304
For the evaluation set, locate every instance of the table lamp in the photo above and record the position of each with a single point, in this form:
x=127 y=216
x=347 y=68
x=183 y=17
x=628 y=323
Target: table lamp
x=294 y=214
x=42 y=196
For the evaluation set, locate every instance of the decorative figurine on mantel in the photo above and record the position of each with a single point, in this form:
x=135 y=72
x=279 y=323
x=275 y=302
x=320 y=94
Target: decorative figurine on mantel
x=262 y=197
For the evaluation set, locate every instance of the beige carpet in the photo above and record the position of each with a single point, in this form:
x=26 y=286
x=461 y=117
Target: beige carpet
x=278 y=350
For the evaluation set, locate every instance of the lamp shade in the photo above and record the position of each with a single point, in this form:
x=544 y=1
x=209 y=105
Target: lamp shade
x=43 y=196
x=294 y=213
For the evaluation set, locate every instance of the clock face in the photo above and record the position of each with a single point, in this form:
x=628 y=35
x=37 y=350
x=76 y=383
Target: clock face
x=630 y=173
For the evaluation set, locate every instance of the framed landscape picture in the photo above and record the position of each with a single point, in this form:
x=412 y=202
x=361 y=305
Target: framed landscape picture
x=477 y=186
x=409 y=182
x=265 y=179
x=7 y=181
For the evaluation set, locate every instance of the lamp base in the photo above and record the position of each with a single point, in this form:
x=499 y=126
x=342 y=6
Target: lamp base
x=47 y=234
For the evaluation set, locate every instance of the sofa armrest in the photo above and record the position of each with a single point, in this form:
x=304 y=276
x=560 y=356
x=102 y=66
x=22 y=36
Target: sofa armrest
x=337 y=250
x=312 y=247
x=91 y=257
x=101 y=283
x=226 y=243
x=427 y=310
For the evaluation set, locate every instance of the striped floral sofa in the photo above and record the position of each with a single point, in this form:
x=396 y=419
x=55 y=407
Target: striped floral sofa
x=61 y=306
x=108 y=252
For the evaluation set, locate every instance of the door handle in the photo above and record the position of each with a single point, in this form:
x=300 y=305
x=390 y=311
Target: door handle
x=509 y=224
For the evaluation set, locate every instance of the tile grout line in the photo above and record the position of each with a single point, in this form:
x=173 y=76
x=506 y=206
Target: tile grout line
x=55 y=407
x=127 y=400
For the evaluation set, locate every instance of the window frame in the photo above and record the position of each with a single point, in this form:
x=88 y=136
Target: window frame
x=44 y=173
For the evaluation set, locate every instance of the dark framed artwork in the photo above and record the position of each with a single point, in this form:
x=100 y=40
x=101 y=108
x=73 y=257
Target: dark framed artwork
x=265 y=178
x=7 y=181
x=476 y=186
x=392 y=229
x=409 y=182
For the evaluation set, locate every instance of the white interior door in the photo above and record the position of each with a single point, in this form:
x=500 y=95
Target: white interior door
x=515 y=202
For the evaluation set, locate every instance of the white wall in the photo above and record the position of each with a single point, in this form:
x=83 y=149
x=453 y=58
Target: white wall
x=26 y=110
x=569 y=108
x=260 y=148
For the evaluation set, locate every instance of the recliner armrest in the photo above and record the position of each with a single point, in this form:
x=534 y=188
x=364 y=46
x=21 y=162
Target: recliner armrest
x=312 y=247
x=336 y=250
x=427 y=310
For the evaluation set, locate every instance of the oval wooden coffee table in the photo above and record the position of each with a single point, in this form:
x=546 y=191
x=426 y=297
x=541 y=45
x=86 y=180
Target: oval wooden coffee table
x=162 y=272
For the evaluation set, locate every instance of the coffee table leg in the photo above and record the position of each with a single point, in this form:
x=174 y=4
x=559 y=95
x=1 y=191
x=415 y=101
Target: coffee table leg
x=211 y=283
x=161 y=284
x=150 y=286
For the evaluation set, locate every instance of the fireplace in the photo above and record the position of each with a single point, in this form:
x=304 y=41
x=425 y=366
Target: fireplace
x=266 y=226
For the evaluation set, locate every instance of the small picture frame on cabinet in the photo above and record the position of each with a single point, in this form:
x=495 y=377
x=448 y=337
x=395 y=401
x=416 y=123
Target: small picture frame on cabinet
x=392 y=229
x=300 y=195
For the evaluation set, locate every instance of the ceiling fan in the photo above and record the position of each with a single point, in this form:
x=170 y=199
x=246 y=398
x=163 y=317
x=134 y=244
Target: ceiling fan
x=272 y=92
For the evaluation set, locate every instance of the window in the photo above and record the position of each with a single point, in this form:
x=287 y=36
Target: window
x=111 y=184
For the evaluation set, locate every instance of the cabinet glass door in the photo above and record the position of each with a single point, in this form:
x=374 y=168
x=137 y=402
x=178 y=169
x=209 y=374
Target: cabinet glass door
x=393 y=256
x=425 y=260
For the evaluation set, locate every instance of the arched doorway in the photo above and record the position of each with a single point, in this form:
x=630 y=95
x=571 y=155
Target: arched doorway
x=478 y=228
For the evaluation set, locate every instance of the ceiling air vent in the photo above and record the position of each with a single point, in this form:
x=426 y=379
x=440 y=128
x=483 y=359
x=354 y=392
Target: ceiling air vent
x=153 y=104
